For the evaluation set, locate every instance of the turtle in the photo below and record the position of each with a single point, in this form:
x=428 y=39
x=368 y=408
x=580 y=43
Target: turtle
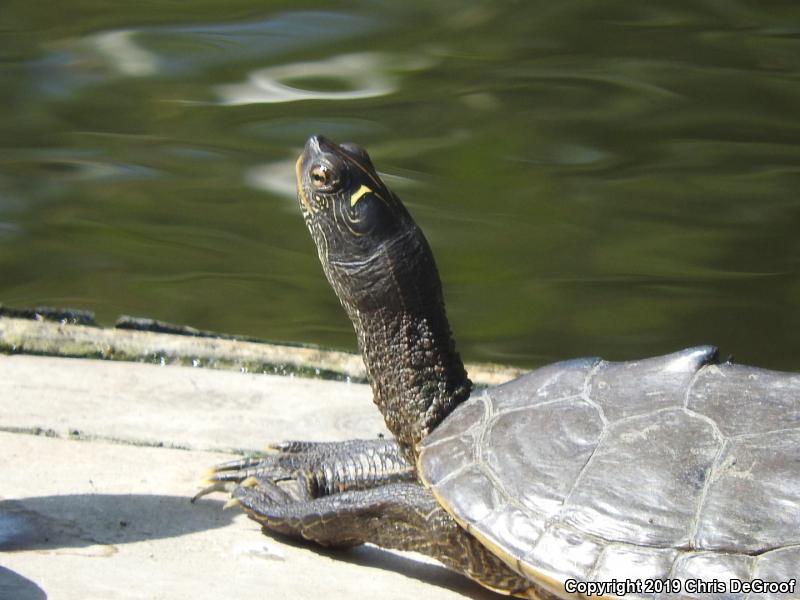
x=667 y=475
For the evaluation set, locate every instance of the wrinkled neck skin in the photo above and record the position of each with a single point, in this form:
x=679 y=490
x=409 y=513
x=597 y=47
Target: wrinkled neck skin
x=394 y=299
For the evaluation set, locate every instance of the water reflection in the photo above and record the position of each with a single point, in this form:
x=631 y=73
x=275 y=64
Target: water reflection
x=124 y=55
x=358 y=76
x=276 y=177
x=72 y=62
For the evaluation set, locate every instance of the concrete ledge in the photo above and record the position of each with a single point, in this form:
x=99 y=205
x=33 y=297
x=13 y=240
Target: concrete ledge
x=64 y=338
x=92 y=512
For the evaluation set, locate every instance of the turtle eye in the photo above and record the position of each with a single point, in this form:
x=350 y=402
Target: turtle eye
x=321 y=176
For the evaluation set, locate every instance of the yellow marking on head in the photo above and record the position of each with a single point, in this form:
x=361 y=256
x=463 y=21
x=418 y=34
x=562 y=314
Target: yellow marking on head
x=359 y=194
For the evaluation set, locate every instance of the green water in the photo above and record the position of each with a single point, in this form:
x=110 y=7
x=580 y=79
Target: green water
x=612 y=178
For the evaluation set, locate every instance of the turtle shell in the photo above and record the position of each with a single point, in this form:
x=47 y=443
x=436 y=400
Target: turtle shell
x=673 y=467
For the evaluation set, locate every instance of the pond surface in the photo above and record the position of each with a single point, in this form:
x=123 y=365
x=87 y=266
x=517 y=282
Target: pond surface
x=614 y=178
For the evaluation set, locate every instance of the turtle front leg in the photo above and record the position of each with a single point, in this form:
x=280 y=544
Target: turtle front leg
x=341 y=494
x=316 y=468
x=402 y=516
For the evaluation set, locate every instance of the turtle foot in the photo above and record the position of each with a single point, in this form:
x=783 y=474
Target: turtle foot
x=313 y=469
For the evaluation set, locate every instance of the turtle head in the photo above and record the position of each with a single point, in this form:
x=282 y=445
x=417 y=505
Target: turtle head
x=379 y=264
x=363 y=232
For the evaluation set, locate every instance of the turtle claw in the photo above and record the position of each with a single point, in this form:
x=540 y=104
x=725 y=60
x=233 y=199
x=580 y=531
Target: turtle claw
x=293 y=446
x=224 y=477
x=256 y=470
x=237 y=464
x=296 y=471
x=231 y=503
x=212 y=486
x=247 y=471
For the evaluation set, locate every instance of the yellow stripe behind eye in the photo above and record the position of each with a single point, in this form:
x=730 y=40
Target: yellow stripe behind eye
x=359 y=194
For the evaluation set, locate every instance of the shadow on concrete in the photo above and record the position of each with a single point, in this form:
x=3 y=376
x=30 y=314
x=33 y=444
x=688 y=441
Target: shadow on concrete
x=13 y=585
x=373 y=557
x=108 y=520
x=79 y=520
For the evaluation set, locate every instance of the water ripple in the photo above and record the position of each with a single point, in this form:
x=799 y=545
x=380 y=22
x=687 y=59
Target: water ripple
x=361 y=75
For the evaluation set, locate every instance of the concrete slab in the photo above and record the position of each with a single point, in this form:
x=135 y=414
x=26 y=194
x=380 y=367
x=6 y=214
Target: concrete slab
x=174 y=406
x=107 y=517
